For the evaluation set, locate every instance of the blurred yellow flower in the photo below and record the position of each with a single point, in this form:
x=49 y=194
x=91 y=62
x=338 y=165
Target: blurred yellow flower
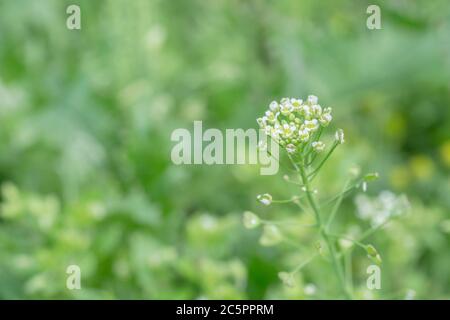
x=396 y=126
x=400 y=177
x=444 y=150
x=422 y=167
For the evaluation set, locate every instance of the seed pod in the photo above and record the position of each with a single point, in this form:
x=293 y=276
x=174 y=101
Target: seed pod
x=371 y=176
x=376 y=259
x=371 y=251
x=250 y=220
x=265 y=199
x=271 y=236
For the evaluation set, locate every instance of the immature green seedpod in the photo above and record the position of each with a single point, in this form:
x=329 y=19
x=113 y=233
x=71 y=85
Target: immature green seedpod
x=376 y=259
x=286 y=278
x=371 y=176
x=271 y=236
x=319 y=248
x=250 y=220
x=371 y=251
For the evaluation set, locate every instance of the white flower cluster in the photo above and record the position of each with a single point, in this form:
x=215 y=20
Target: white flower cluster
x=381 y=208
x=292 y=123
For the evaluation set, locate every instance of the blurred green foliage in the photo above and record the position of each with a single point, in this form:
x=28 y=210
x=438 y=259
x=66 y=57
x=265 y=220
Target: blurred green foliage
x=85 y=123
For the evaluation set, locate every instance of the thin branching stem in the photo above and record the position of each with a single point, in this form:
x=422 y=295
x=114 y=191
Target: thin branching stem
x=313 y=174
x=336 y=207
x=336 y=265
x=304 y=263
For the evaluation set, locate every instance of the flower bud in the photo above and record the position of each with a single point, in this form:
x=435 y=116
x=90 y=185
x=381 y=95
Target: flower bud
x=290 y=148
x=250 y=220
x=318 y=146
x=271 y=236
x=273 y=106
x=265 y=199
x=316 y=110
x=312 y=100
x=339 y=136
x=303 y=135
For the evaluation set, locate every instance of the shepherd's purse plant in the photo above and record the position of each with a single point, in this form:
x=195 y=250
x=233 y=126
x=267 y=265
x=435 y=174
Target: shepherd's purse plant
x=299 y=128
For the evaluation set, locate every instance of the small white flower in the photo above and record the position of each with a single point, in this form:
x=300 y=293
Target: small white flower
x=274 y=131
x=325 y=119
x=303 y=135
x=286 y=108
x=270 y=116
x=287 y=130
x=318 y=146
x=290 y=148
x=339 y=136
x=312 y=125
x=305 y=110
x=265 y=199
x=296 y=103
x=312 y=100
x=274 y=106
x=316 y=110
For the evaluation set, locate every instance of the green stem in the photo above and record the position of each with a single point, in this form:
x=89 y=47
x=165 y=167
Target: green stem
x=336 y=207
x=348 y=270
x=358 y=243
x=337 y=267
x=313 y=174
x=303 y=264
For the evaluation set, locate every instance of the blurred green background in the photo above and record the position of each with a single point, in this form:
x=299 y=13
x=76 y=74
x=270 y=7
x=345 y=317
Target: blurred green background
x=85 y=123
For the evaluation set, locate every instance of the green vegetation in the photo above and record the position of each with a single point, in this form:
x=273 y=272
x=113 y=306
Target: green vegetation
x=85 y=123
